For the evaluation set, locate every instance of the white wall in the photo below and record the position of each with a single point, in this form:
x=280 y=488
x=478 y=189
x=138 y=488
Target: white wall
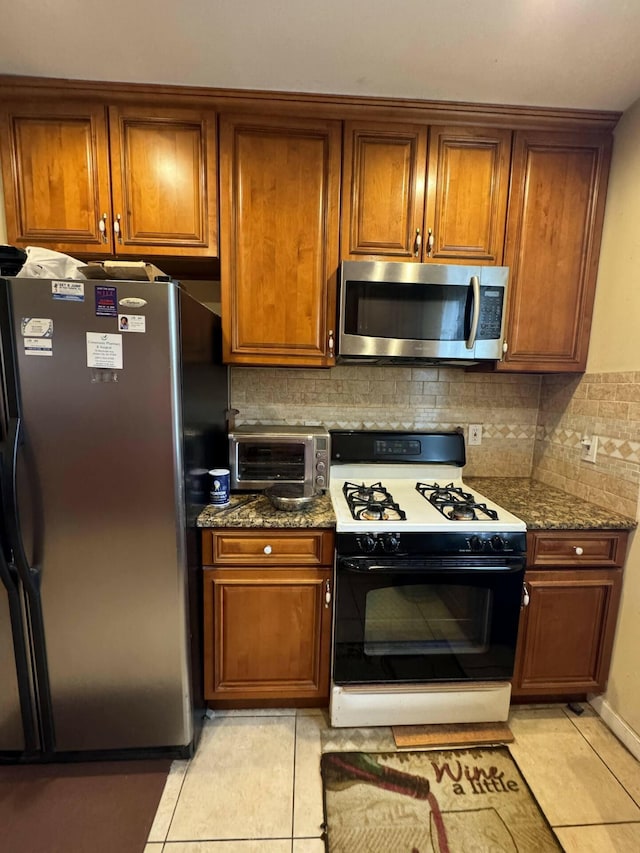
x=614 y=336
x=615 y=347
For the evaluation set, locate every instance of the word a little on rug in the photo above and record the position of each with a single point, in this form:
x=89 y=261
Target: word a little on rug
x=480 y=781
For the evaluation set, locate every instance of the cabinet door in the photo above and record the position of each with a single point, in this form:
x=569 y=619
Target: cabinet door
x=383 y=191
x=163 y=176
x=556 y=209
x=467 y=187
x=267 y=633
x=566 y=632
x=279 y=239
x=56 y=176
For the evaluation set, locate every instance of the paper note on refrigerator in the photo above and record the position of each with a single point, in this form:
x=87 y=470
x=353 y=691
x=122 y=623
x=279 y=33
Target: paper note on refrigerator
x=104 y=350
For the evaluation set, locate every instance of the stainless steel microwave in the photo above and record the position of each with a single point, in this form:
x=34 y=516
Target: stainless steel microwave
x=261 y=456
x=420 y=312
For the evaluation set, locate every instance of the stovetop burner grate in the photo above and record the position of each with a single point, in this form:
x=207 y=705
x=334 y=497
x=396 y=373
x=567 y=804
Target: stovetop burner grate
x=371 y=503
x=454 y=503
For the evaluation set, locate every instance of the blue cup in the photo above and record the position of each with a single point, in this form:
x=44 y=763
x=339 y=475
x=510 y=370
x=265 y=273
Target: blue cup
x=219 y=493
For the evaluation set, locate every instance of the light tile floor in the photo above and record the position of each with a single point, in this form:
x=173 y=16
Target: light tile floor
x=254 y=784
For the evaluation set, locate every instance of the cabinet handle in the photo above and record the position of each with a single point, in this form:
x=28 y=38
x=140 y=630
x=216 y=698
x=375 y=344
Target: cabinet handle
x=331 y=343
x=579 y=551
x=429 y=242
x=327 y=593
x=417 y=243
x=117 y=229
x=267 y=549
x=505 y=346
x=102 y=227
x=526 y=598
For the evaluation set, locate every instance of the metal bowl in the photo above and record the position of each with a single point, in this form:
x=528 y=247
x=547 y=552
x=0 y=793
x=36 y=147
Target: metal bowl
x=289 y=498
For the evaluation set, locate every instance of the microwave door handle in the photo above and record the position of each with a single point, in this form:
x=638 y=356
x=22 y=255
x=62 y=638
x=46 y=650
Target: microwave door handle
x=475 y=313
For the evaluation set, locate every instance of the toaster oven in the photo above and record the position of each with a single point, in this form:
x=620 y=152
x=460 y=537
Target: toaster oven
x=261 y=456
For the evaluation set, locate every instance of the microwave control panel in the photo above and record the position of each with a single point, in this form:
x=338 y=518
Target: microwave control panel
x=490 y=322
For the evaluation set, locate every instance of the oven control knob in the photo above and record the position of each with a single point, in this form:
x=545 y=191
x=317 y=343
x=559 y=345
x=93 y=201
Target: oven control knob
x=391 y=543
x=321 y=467
x=475 y=543
x=367 y=544
x=497 y=543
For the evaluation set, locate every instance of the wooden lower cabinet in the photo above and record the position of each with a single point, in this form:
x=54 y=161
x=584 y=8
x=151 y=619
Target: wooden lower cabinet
x=267 y=626
x=568 y=626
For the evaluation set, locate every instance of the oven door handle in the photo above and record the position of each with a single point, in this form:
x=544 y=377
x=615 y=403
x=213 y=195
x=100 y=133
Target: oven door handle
x=449 y=566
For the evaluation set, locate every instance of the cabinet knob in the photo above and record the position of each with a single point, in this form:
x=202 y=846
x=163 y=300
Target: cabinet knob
x=417 y=244
x=327 y=593
x=267 y=549
x=526 y=598
x=579 y=551
x=331 y=342
x=117 y=229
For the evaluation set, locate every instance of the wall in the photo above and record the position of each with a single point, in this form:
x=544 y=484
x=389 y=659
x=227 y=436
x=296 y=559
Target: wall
x=606 y=402
x=362 y=397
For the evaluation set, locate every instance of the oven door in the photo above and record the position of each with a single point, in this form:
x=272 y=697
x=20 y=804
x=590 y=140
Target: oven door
x=427 y=619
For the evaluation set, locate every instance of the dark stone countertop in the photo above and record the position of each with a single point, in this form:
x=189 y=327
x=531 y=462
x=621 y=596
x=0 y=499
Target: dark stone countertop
x=543 y=507
x=255 y=510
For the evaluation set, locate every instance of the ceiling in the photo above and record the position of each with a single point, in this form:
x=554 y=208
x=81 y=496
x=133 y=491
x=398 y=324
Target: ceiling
x=558 y=53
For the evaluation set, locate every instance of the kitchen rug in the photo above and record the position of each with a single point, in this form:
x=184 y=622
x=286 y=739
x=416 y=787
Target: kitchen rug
x=92 y=807
x=436 y=801
x=456 y=734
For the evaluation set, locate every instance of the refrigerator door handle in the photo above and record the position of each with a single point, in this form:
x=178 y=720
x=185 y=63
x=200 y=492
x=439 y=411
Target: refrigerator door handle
x=9 y=579
x=30 y=577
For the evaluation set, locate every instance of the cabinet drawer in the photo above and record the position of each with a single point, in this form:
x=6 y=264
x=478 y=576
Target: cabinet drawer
x=267 y=547
x=577 y=548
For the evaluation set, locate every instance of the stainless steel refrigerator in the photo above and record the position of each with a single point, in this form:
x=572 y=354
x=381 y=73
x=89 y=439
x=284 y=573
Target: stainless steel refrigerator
x=114 y=407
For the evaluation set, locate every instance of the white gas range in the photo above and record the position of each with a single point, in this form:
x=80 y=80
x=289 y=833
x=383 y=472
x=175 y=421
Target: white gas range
x=428 y=585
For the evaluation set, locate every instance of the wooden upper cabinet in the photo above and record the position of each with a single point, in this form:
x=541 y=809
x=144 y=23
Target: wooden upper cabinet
x=387 y=178
x=279 y=204
x=56 y=176
x=556 y=210
x=73 y=170
x=383 y=191
x=163 y=176
x=467 y=190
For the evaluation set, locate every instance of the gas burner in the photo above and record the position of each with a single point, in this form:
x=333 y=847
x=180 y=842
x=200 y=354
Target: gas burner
x=371 y=494
x=462 y=512
x=454 y=503
x=371 y=503
x=436 y=491
x=377 y=512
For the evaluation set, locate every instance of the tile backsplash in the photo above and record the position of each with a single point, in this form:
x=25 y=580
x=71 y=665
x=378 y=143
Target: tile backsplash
x=606 y=405
x=433 y=398
x=531 y=425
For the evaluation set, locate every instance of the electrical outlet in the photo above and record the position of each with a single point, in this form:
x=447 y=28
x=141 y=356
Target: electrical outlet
x=475 y=434
x=590 y=448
